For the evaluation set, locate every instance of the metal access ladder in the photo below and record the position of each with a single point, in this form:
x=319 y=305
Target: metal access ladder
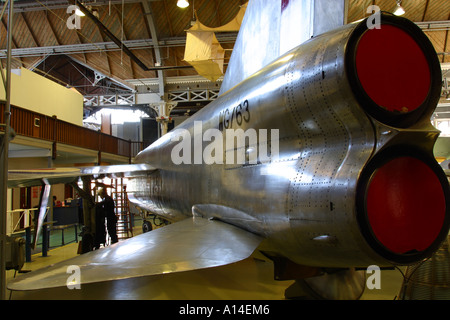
x=124 y=224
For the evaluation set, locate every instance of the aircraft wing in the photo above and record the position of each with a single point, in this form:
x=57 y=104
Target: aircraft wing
x=48 y=177
x=191 y=244
x=36 y=177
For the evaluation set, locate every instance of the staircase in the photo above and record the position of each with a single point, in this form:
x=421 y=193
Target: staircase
x=123 y=214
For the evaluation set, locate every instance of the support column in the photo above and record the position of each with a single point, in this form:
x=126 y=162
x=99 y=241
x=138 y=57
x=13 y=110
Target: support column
x=4 y=158
x=163 y=110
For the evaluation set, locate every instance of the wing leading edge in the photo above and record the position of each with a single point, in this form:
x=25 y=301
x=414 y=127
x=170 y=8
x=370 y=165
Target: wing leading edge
x=191 y=244
x=51 y=176
x=35 y=177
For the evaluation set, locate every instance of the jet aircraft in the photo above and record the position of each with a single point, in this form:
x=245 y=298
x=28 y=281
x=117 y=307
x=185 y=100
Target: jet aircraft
x=330 y=169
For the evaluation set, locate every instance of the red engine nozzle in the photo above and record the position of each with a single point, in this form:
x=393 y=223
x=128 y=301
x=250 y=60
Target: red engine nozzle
x=403 y=204
x=394 y=71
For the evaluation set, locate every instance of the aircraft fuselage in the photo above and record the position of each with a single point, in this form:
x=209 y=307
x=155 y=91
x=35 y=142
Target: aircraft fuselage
x=326 y=144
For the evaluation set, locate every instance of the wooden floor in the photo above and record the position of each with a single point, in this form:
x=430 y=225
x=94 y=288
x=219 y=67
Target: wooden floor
x=250 y=279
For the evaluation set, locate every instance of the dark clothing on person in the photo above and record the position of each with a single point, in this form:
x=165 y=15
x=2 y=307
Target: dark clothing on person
x=108 y=206
x=105 y=210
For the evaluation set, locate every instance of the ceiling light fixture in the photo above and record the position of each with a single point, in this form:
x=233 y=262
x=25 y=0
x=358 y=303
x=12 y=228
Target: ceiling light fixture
x=399 y=9
x=79 y=13
x=183 y=3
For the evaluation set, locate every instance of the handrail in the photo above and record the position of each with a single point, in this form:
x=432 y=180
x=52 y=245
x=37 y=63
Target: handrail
x=36 y=125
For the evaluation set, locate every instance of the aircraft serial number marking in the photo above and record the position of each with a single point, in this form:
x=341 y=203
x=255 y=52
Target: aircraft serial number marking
x=238 y=114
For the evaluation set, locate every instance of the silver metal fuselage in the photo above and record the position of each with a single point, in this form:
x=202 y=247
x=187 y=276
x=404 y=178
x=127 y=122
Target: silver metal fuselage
x=304 y=202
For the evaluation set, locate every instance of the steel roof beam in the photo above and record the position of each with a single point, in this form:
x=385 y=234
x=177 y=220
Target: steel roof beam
x=110 y=35
x=148 y=13
x=106 y=46
x=25 y=6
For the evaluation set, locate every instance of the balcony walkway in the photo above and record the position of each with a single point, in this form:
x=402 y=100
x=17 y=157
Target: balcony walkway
x=44 y=136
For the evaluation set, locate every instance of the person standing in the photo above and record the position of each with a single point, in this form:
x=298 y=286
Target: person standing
x=107 y=206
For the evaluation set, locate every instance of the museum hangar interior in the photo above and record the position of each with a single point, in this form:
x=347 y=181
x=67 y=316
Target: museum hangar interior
x=94 y=83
